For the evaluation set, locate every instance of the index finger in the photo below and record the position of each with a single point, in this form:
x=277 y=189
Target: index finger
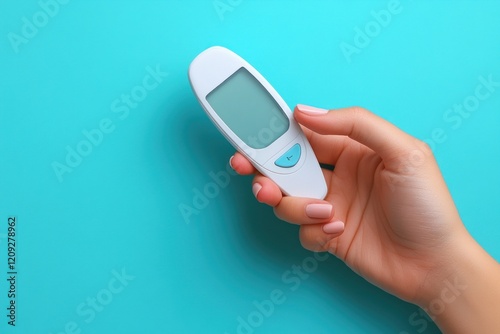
x=359 y=124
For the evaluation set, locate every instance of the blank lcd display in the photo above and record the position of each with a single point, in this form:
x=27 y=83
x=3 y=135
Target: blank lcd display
x=248 y=109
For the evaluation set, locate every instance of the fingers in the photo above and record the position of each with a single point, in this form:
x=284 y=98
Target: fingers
x=314 y=237
x=298 y=210
x=241 y=164
x=295 y=210
x=266 y=191
x=319 y=227
x=358 y=124
x=327 y=131
x=327 y=148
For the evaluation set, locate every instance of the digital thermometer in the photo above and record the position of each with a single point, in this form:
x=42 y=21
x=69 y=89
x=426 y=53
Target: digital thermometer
x=256 y=121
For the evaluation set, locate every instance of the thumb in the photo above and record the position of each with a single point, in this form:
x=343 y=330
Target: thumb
x=360 y=125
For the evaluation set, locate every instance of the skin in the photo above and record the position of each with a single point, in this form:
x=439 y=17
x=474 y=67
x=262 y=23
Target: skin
x=401 y=230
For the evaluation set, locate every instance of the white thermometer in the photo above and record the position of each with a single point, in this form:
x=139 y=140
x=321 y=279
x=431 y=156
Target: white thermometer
x=256 y=121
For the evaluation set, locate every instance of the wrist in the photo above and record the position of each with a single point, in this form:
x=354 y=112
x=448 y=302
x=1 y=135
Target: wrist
x=465 y=290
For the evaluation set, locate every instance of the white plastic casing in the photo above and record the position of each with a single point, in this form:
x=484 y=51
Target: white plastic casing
x=211 y=68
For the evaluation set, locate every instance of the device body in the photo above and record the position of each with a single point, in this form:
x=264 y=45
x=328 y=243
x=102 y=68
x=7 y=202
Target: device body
x=256 y=121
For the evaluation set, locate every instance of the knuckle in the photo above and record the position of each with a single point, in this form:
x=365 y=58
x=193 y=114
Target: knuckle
x=423 y=147
x=359 y=111
x=410 y=158
x=358 y=114
x=330 y=246
x=307 y=240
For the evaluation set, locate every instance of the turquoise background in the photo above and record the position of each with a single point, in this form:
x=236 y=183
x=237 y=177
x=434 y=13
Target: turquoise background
x=119 y=208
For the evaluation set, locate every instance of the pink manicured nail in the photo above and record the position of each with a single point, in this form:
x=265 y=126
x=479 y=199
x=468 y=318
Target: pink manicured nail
x=318 y=210
x=231 y=162
x=333 y=227
x=311 y=110
x=256 y=188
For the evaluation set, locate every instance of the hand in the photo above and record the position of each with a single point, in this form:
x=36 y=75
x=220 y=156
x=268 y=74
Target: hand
x=386 y=188
x=394 y=220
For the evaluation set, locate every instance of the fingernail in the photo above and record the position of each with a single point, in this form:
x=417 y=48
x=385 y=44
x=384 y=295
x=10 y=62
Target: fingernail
x=256 y=188
x=335 y=226
x=318 y=210
x=311 y=110
x=231 y=161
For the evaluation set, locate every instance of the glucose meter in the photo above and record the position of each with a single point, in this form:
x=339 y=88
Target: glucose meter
x=256 y=121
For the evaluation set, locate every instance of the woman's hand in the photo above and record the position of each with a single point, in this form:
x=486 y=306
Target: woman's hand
x=393 y=219
x=390 y=217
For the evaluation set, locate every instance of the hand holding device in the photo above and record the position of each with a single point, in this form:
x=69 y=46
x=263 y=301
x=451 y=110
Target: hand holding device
x=402 y=230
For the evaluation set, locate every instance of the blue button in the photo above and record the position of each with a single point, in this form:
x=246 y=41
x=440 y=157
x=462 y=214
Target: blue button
x=290 y=158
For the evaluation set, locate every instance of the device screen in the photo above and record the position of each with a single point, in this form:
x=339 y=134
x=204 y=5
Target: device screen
x=248 y=109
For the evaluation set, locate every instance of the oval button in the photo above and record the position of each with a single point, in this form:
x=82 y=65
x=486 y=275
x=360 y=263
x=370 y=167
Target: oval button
x=290 y=158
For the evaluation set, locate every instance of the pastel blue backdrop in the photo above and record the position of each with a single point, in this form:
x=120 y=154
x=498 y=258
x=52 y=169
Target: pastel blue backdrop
x=104 y=241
